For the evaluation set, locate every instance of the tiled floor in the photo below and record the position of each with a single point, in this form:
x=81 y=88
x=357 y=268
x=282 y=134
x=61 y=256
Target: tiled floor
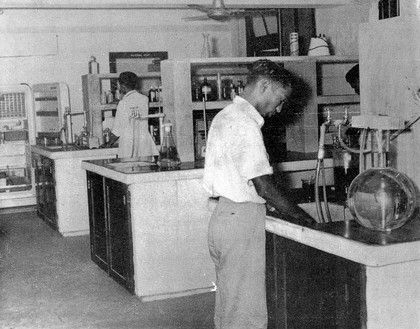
x=48 y=281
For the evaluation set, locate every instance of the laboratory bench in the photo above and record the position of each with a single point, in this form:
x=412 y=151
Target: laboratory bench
x=148 y=227
x=149 y=232
x=61 y=185
x=342 y=275
x=163 y=216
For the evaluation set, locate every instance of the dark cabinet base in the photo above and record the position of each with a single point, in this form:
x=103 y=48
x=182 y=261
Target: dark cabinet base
x=45 y=190
x=308 y=288
x=110 y=228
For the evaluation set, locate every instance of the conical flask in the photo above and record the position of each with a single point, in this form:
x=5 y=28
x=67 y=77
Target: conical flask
x=168 y=154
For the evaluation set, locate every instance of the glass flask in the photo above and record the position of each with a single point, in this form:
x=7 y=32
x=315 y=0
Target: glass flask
x=206 y=90
x=168 y=154
x=382 y=199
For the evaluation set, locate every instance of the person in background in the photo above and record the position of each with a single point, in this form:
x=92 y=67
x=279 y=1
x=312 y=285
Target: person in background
x=352 y=77
x=132 y=133
x=237 y=172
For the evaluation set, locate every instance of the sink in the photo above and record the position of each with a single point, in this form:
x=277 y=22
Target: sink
x=60 y=148
x=57 y=147
x=133 y=166
x=120 y=165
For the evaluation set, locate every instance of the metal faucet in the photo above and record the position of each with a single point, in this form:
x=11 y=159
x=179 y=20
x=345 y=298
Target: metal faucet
x=328 y=120
x=66 y=129
x=346 y=120
x=63 y=136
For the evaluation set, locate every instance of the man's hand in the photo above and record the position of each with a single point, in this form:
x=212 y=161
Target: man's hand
x=277 y=198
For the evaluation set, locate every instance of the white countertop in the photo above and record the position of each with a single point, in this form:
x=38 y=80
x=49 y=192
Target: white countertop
x=143 y=177
x=346 y=246
x=83 y=153
x=369 y=255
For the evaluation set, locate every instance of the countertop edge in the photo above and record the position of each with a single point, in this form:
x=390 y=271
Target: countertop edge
x=74 y=154
x=369 y=255
x=143 y=177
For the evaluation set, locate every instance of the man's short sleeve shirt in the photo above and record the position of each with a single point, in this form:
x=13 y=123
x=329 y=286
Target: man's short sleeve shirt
x=235 y=153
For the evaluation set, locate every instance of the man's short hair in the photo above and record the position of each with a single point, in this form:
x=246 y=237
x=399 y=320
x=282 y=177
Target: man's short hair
x=264 y=68
x=353 y=74
x=128 y=79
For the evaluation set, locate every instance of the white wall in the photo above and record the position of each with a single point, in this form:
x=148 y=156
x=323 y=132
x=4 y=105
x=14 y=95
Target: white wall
x=38 y=46
x=341 y=26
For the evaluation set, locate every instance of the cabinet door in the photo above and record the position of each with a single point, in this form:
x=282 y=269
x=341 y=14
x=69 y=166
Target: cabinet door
x=39 y=185
x=50 y=213
x=308 y=288
x=119 y=240
x=45 y=190
x=97 y=220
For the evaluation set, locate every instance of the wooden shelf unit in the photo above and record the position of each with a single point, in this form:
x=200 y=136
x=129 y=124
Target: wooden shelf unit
x=93 y=106
x=319 y=74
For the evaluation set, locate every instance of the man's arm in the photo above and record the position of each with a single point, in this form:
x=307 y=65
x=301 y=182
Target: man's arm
x=278 y=199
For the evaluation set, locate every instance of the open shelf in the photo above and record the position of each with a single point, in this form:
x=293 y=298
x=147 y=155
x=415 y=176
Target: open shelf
x=338 y=99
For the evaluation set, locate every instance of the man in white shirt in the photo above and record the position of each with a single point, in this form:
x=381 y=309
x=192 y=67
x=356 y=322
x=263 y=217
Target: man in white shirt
x=134 y=139
x=238 y=172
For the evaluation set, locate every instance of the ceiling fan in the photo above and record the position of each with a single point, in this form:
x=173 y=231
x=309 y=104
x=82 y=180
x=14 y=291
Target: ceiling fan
x=219 y=12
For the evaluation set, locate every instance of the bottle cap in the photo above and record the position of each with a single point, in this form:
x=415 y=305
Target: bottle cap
x=167 y=126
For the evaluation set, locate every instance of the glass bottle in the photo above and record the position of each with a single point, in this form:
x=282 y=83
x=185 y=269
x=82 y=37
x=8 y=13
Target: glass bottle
x=196 y=92
x=159 y=92
x=117 y=95
x=206 y=90
x=93 y=65
x=152 y=94
x=232 y=91
x=225 y=93
x=205 y=51
x=240 y=87
x=168 y=154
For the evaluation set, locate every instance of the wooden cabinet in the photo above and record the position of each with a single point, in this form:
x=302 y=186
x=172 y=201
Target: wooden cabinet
x=320 y=83
x=120 y=247
x=309 y=288
x=45 y=189
x=96 y=87
x=61 y=186
x=97 y=220
x=110 y=227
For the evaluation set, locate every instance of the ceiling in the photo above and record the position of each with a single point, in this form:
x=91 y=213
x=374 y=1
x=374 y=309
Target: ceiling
x=163 y=4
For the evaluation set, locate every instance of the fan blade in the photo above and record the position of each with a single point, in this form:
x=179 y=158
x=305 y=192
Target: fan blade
x=252 y=13
x=200 y=8
x=196 y=18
